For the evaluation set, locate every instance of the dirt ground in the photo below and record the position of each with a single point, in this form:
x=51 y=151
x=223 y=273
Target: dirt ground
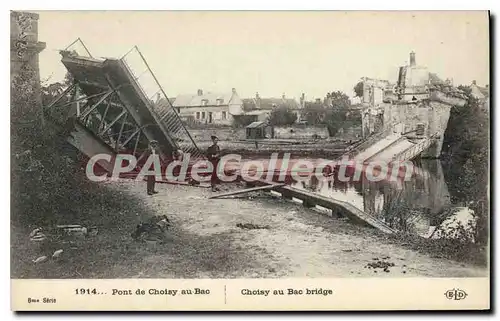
x=205 y=242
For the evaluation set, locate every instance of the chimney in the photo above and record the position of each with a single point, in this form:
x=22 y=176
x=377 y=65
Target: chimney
x=328 y=101
x=233 y=90
x=302 y=100
x=257 y=100
x=283 y=96
x=200 y=92
x=318 y=100
x=474 y=82
x=412 y=59
x=158 y=97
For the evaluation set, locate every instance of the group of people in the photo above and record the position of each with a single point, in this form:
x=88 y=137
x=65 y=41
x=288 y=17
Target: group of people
x=213 y=156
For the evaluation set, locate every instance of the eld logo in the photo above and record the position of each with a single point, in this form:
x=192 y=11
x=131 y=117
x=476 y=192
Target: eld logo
x=455 y=294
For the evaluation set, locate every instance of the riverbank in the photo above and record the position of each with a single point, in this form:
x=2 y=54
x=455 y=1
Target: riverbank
x=253 y=237
x=298 y=148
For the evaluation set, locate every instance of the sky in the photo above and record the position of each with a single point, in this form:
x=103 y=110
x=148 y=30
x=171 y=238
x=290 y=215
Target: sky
x=275 y=53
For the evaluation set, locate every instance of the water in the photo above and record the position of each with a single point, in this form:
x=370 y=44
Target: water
x=417 y=206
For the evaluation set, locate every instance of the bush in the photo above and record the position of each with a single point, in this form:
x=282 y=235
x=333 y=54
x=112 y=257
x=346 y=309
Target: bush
x=48 y=183
x=399 y=215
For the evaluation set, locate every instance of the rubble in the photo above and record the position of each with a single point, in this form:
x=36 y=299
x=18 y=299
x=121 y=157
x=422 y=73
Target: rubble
x=153 y=230
x=380 y=264
x=62 y=234
x=41 y=259
x=250 y=226
x=37 y=236
x=35 y=232
x=57 y=254
x=73 y=230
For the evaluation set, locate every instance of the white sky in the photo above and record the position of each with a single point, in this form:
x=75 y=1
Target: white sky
x=275 y=52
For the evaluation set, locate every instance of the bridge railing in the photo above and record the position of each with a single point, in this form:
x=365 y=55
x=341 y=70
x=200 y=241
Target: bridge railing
x=415 y=150
x=80 y=48
x=370 y=141
x=159 y=103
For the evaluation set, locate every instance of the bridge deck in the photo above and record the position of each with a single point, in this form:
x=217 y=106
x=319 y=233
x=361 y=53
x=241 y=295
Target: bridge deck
x=310 y=199
x=343 y=208
x=378 y=146
x=390 y=152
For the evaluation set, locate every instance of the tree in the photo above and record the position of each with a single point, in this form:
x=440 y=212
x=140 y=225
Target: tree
x=314 y=113
x=243 y=121
x=338 y=104
x=338 y=100
x=282 y=116
x=333 y=112
x=335 y=120
x=466 y=159
x=52 y=90
x=358 y=89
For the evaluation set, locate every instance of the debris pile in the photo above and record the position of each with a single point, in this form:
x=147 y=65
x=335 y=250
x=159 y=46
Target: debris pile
x=76 y=231
x=380 y=264
x=57 y=237
x=448 y=90
x=37 y=235
x=153 y=230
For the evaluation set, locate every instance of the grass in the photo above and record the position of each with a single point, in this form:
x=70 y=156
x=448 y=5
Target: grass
x=400 y=215
x=113 y=254
x=445 y=248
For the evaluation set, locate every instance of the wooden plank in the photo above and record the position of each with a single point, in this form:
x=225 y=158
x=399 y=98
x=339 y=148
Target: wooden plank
x=184 y=184
x=180 y=183
x=247 y=190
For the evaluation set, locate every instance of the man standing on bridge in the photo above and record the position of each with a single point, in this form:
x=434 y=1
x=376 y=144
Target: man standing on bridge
x=213 y=155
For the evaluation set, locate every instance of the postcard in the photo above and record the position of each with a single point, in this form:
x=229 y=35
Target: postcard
x=250 y=160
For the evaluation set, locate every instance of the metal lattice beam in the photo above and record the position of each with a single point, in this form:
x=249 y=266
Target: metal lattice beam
x=94 y=106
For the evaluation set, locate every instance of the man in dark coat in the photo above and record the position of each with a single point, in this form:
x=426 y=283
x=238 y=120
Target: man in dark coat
x=151 y=179
x=213 y=155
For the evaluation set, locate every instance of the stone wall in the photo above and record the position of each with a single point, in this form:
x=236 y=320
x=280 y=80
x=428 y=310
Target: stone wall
x=300 y=132
x=24 y=65
x=24 y=44
x=373 y=91
x=433 y=115
x=291 y=132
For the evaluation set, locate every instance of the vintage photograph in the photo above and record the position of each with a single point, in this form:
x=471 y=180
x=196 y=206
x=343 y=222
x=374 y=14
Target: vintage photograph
x=250 y=145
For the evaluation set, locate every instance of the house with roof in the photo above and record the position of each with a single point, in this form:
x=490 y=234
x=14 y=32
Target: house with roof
x=209 y=108
x=260 y=108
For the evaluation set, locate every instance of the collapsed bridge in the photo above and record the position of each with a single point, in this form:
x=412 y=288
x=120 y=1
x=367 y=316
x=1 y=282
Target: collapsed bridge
x=116 y=106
